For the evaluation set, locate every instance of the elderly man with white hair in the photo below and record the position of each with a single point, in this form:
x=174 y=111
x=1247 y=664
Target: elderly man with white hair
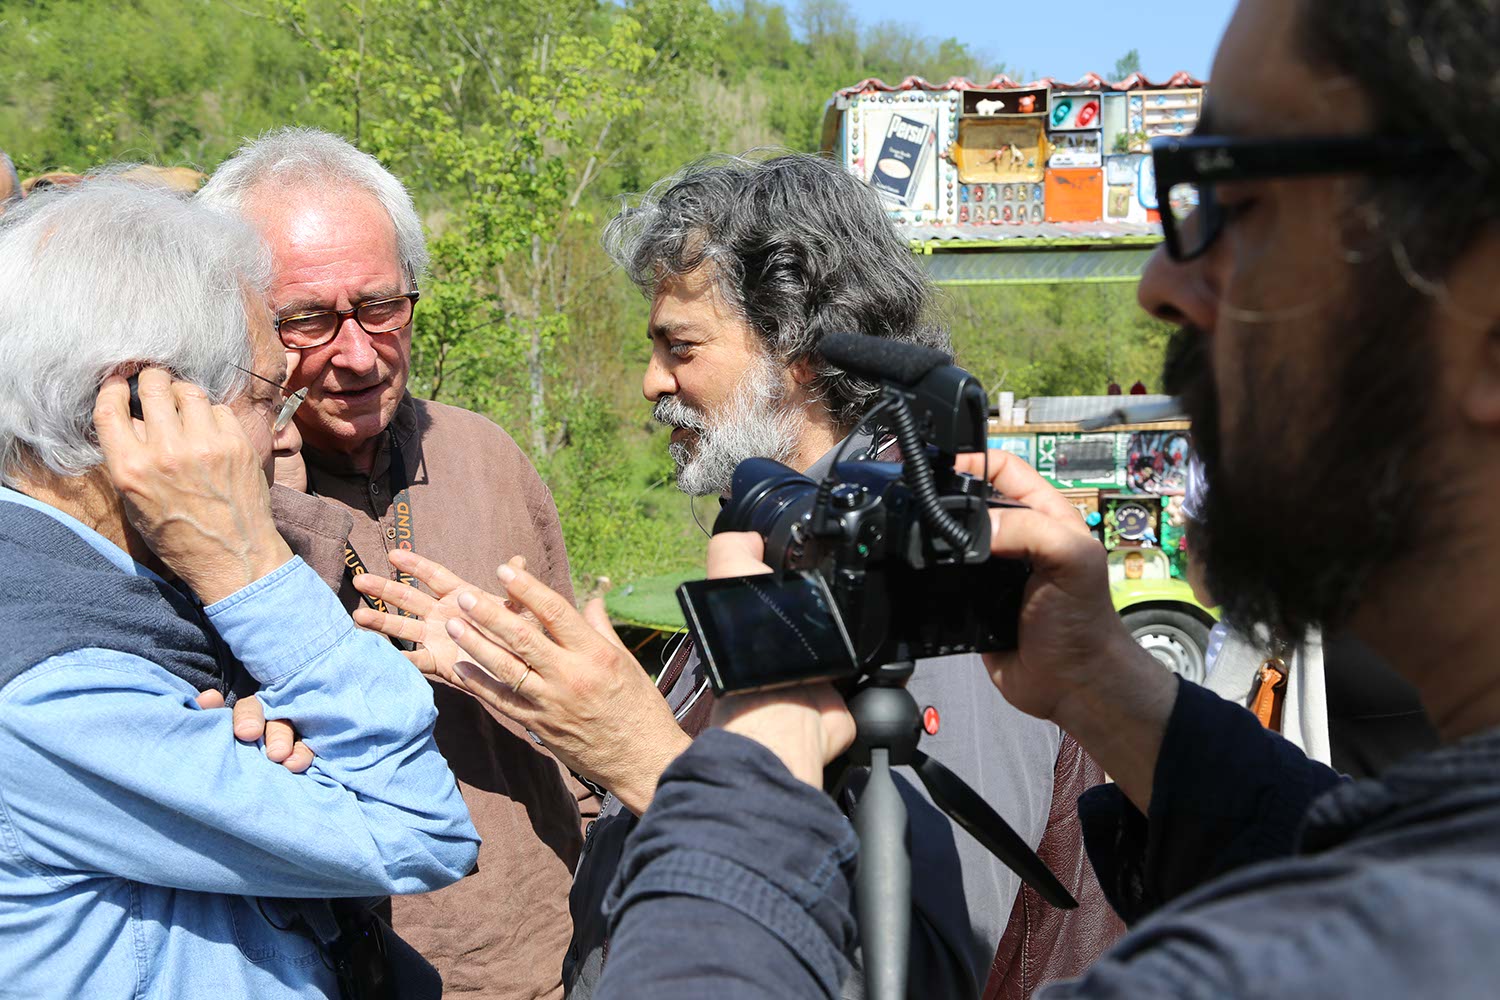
x=143 y=850
x=386 y=472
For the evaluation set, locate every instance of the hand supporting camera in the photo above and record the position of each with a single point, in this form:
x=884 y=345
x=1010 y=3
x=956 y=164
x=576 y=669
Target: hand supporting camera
x=1075 y=663
x=806 y=726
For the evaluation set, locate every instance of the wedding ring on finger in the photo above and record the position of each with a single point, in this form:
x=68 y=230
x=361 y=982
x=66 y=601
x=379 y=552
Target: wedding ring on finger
x=516 y=687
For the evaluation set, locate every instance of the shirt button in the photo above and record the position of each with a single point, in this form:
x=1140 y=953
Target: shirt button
x=390 y=533
x=375 y=489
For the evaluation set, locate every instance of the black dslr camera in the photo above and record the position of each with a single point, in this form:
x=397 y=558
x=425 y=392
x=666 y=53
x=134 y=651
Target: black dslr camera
x=880 y=562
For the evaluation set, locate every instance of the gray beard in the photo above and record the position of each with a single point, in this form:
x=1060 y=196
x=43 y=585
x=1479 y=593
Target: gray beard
x=754 y=424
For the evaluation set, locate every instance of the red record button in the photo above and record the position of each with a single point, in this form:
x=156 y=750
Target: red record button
x=931 y=720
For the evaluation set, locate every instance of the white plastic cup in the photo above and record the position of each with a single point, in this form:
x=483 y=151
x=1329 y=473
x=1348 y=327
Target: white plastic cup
x=1007 y=402
x=1018 y=416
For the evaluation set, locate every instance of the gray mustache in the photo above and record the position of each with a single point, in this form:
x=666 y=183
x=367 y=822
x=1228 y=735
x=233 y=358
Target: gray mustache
x=673 y=412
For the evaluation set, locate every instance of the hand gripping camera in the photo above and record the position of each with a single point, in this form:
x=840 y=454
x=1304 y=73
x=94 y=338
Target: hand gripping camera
x=881 y=561
x=878 y=565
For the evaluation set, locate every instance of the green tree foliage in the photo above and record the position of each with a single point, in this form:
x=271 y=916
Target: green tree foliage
x=169 y=81
x=518 y=124
x=1127 y=64
x=1054 y=340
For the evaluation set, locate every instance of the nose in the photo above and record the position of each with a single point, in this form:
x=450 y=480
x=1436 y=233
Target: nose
x=288 y=440
x=1180 y=294
x=353 y=348
x=658 y=381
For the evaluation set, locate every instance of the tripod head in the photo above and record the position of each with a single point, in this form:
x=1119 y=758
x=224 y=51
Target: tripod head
x=888 y=729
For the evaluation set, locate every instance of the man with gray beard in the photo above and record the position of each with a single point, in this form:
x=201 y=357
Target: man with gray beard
x=747 y=265
x=753 y=423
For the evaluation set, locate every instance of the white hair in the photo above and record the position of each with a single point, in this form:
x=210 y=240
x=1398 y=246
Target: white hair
x=10 y=181
x=290 y=158
x=107 y=274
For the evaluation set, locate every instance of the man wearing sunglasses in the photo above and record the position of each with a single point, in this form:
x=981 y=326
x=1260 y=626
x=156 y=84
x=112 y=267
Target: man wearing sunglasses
x=384 y=471
x=1332 y=261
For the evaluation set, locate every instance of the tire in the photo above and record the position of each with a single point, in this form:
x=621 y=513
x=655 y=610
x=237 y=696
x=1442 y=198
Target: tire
x=1178 y=640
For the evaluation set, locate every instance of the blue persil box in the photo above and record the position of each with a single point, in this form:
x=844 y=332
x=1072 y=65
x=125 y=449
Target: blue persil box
x=901 y=157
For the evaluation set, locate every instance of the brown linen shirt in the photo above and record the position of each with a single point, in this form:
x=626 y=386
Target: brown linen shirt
x=476 y=501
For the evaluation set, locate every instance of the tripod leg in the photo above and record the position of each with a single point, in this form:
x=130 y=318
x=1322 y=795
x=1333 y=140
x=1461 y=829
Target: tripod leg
x=883 y=882
x=985 y=825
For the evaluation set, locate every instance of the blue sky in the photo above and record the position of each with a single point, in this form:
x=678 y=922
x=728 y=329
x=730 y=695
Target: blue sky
x=1066 y=40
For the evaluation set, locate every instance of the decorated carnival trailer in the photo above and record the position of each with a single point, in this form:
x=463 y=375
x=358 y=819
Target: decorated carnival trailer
x=1127 y=483
x=1058 y=176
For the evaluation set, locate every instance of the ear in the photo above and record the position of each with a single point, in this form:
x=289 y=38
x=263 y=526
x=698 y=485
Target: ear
x=1470 y=317
x=803 y=371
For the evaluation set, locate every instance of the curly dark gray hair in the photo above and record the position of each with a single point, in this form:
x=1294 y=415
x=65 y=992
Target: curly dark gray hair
x=799 y=247
x=1429 y=69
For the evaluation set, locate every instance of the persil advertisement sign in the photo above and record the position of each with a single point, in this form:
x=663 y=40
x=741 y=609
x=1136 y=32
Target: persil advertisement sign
x=903 y=155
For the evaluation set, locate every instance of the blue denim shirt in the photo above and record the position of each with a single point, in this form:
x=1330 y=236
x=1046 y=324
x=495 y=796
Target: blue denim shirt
x=136 y=832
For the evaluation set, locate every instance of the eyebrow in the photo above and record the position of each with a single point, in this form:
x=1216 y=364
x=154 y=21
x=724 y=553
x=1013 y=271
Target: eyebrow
x=312 y=305
x=666 y=329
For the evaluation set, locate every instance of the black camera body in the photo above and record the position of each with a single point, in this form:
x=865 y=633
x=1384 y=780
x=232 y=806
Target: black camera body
x=881 y=562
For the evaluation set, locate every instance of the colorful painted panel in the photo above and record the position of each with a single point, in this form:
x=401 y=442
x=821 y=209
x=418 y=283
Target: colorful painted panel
x=981 y=204
x=1077 y=149
x=1131 y=520
x=1000 y=150
x=1074 y=110
x=1122 y=194
x=1074 y=195
x=895 y=143
x=1073 y=461
x=1156 y=462
x=1157 y=113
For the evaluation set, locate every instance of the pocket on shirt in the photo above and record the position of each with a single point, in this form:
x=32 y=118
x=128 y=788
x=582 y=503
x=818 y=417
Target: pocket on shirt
x=272 y=931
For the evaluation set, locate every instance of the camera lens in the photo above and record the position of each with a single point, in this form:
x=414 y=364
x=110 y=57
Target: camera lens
x=767 y=498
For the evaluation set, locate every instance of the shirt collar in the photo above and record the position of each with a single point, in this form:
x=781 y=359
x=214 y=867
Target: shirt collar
x=858 y=449
x=403 y=425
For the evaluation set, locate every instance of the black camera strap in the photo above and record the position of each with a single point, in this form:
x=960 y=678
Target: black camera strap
x=406 y=534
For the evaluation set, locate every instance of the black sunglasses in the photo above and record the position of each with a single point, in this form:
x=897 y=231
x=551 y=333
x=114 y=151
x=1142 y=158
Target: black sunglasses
x=1187 y=170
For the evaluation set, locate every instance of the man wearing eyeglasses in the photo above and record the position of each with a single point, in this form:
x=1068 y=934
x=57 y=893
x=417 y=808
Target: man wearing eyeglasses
x=1332 y=261
x=145 y=852
x=384 y=471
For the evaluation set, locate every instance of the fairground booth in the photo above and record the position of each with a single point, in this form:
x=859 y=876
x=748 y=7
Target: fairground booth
x=1007 y=182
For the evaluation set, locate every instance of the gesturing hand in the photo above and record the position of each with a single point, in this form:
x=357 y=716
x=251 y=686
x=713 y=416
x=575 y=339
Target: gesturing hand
x=563 y=675
x=426 y=618
x=193 y=486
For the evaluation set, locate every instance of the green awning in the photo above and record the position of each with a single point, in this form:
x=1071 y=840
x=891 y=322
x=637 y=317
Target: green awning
x=650 y=602
x=1036 y=266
